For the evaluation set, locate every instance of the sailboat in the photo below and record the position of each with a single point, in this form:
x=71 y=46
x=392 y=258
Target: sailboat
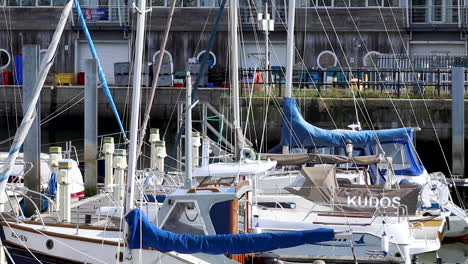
x=189 y=210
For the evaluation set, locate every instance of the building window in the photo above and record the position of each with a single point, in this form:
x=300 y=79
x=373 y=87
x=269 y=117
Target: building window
x=368 y=59
x=5 y=59
x=166 y=59
x=326 y=59
x=211 y=58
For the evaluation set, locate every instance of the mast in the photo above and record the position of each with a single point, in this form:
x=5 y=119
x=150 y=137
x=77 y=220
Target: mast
x=188 y=133
x=233 y=6
x=135 y=113
x=290 y=55
x=290 y=49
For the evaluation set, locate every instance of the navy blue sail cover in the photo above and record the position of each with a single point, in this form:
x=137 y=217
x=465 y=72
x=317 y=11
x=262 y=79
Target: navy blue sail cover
x=296 y=132
x=165 y=241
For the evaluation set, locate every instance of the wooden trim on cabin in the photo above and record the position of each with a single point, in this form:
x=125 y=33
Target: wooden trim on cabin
x=42 y=253
x=53 y=234
x=242 y=184
x=194 y=190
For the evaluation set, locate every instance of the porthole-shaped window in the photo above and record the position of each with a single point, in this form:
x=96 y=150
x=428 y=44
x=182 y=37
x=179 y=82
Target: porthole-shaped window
x=166 y=59
x=49 y=244
x=211 y=58
x=367 y=59
x=5 y=59
x=326 y=59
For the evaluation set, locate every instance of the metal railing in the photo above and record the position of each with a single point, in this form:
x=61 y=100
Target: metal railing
x=395 y=81
x=435 y=14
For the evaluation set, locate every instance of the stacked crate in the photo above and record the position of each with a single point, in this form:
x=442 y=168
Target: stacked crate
x=166 y=74
x=194 y=68
x=122 y=76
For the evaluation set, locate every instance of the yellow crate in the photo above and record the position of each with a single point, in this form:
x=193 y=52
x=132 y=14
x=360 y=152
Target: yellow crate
x=64 y=78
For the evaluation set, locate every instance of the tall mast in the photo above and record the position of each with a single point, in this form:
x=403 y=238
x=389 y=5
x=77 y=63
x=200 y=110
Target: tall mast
x=188 y=132
x=290 y=49
x=135 y=113
x=233 y=6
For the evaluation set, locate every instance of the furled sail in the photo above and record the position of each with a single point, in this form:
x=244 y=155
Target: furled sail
x=296 y=132
x=165 y=241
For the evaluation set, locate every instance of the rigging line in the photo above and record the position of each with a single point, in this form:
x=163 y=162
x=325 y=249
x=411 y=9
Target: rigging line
x=63 y=111
x=394 y=54
x=202 y=32
x=368 y=119
x=63 y=106
x=419 y=88
x=150 y=100
x=426 y=107
x=20 y=240
x=101 y=74
x=356 y=105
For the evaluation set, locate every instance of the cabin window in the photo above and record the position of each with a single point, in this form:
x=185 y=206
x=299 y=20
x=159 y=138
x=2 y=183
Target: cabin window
x=374 y=2
x=369 y=60
x=211 y=58
x=5 y=58
x=326 y=59
x=398 y=153
x=185 y=218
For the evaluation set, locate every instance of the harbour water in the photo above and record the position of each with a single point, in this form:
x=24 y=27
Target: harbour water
x=62 y=129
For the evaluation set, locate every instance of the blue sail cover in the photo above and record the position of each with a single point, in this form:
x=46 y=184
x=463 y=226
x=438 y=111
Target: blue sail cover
x=165 y=241
x=296 y=132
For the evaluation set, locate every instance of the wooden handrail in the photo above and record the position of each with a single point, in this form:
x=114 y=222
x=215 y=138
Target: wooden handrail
x=194 y=190
x=215 y=183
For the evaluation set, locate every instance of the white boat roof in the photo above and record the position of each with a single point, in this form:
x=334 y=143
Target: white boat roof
x=232 y=169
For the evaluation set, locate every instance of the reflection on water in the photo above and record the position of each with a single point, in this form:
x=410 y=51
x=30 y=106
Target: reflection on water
x=449 y=253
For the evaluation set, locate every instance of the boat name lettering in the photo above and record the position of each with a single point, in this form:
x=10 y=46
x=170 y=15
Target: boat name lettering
x=19 y=236
x=366 y=201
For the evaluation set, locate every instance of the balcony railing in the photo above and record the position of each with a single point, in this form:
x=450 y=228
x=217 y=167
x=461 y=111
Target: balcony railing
x=435 y=14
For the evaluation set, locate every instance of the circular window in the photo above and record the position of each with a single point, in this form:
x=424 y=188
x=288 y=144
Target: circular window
x=326 y=59
x=211 y=58
x=367 y=60
x=166 y=59
x=5 y=58
x=49 y=244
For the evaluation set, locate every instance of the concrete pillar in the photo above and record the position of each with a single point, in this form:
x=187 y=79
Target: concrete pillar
x=90 y=127
x=55 y=156
x=120 y=164
x=458 y=122
x=32 y=143
x=64 y=183
x=196 y=144
x=108 y=151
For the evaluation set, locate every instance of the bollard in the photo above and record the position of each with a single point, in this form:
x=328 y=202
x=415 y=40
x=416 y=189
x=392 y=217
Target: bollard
x=206 y=151
x=120 y=164
x=108 y=151
x=55 y=156
x=64 y=184
x=196 y=144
